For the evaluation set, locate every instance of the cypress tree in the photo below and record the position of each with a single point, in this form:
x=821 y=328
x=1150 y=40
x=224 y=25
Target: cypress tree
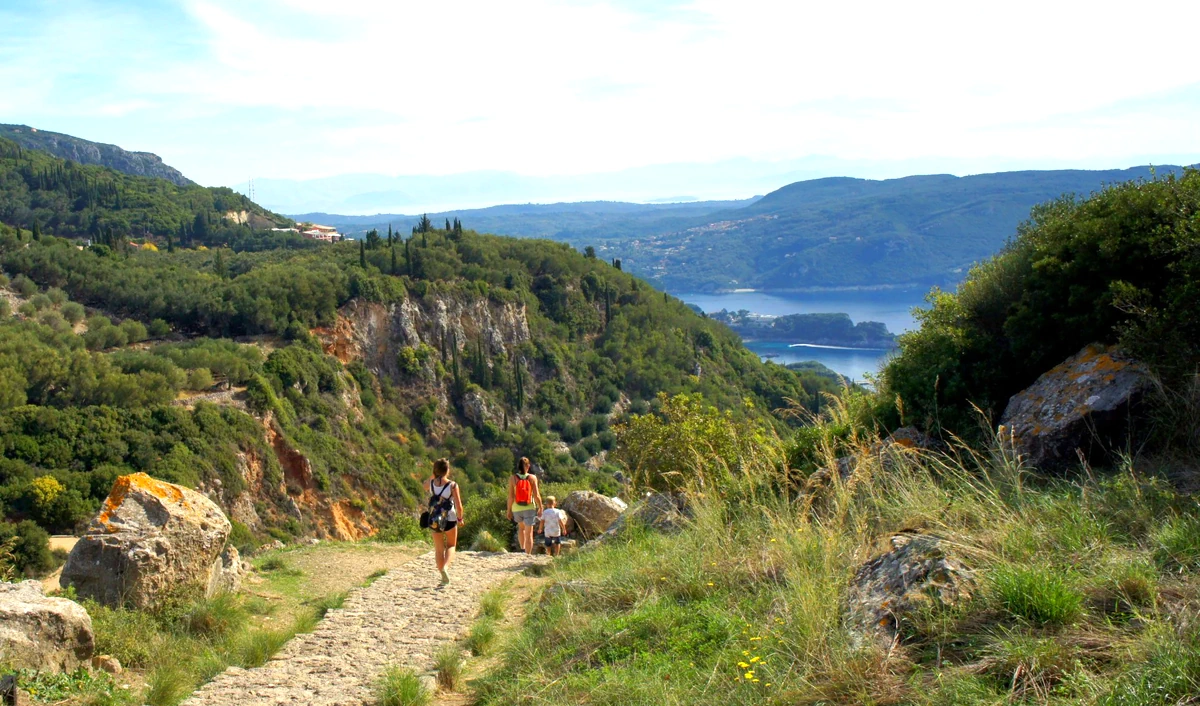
x=37 y=230
x=408 y=257
x=448 y=228
x=393 y=260
x=362 y=254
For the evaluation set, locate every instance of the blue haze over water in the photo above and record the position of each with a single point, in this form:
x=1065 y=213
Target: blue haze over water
x=892 y=307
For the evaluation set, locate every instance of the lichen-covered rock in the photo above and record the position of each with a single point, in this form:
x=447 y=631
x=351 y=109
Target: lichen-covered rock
x=665 y=512
x=42 y=633
x=1081 y=405
x=591 y=512
x=151 y=539
x=919 y=572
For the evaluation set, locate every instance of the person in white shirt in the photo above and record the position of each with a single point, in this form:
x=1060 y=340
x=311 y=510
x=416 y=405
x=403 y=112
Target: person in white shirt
x=553 y=526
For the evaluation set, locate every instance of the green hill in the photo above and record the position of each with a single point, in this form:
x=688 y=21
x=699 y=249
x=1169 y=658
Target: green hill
x=65 y=198
x=96 y=153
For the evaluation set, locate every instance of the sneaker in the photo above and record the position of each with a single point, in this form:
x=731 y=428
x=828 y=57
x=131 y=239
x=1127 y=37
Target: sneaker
x=445 y=577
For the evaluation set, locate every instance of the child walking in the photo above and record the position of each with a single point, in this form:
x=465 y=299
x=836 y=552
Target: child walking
x=554 y=526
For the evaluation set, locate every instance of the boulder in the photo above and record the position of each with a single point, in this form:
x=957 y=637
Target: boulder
x=665 y=512
x=227 y=572
x=42 y=633
x=107 y=663
x=1083 y=405
x=476 y=408
x=151 y=540
x=919 y=572
x=591 y=512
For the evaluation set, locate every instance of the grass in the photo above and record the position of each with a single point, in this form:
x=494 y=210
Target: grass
x=481 y=637
x=491 y=604
x=1041 y=596
x=448 y=663
x=401 y=687
x=1084 y=594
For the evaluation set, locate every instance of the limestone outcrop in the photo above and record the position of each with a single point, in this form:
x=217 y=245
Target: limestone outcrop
x=921 y=571
x=42 y=633
x=591 y=512
x=152 y=539
x=1083 y=405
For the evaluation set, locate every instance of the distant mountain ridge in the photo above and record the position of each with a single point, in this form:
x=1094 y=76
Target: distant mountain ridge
x=87 y=152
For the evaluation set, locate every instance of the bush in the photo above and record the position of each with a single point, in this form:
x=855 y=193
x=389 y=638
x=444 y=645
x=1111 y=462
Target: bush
x=1118 y=267
x=134 y=331
x=481 y=637
x=485 y=542
x=402 y=528
x=24 y=286
x=401 y=687
x=199 y=379
x=73 y=312
x=30 y=547
x=159 y=328
x=1041 y=596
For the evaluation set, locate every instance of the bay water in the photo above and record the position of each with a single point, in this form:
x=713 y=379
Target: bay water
x=893 y=307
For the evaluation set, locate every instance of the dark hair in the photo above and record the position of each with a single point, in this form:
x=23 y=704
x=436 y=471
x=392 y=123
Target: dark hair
x=523 y=464
x=441 y=468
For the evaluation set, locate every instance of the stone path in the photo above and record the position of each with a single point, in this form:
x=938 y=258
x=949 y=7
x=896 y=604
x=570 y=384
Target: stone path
x=399 y=620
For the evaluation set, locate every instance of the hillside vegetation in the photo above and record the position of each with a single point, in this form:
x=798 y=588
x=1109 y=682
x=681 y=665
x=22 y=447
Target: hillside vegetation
x=1083 y=588
x=119 y=359
x=97 y=153
x=44 y=194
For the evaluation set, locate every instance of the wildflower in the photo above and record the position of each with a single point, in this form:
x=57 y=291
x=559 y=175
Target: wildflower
x=749 y=675
x=710 y=583
x=743 y=665
x=755 y=658
x=755 y=638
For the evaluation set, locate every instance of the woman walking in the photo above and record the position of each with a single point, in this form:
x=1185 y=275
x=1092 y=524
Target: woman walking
x=524 y=503
x=445 y=516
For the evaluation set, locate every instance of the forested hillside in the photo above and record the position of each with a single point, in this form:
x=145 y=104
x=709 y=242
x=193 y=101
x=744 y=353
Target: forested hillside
x=97 y=153
x=45 y=194
x=220 y=369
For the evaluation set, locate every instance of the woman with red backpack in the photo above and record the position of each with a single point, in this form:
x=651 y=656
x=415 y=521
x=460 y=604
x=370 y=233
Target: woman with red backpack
x=524 y=503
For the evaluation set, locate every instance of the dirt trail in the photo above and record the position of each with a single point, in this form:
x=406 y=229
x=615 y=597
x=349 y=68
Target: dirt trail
x=399 y=620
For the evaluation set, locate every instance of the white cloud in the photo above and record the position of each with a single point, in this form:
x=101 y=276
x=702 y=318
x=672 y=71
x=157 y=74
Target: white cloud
x=312 y=87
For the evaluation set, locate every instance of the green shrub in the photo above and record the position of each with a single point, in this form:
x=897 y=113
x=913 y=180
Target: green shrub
x=486 y=542
x=241 y=537
x=401 y=687
x=491 y=605
x=167 y=685
x=30 y=550
x=1119 y=266
x=73 y=312
x=124 y=634
x=1041 y=596
x=24 y=286
x=402 y=528
x=1169 y=675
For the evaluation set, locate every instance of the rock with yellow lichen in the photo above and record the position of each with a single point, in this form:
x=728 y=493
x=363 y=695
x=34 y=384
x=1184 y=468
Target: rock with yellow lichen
x=1082 y=406
x=151 y=540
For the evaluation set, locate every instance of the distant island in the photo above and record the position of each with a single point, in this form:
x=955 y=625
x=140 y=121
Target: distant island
x=813 y=329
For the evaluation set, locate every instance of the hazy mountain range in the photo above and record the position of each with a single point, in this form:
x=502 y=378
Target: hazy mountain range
x=821 y=233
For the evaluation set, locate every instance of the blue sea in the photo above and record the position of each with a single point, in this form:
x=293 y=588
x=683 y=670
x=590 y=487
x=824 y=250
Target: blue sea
x=892 y=307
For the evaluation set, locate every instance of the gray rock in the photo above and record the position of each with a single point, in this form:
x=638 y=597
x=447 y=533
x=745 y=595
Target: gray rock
x=591 y=512
x=476 y=408
x=151 y=540
x=1083 y=405
x=227 y=572
x=920 y=572
x=665 y=512
x=38 y=632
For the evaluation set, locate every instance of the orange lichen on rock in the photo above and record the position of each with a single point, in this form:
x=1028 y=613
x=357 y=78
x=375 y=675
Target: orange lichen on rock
x=141 y=481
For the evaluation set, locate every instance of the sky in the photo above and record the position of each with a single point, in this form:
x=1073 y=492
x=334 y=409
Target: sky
x=301 y=89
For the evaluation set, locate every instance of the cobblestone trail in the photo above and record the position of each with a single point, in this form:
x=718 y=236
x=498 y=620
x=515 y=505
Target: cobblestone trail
x=399 y=620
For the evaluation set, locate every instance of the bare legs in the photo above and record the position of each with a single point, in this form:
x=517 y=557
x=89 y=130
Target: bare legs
x=443 y=549
x=525 y=537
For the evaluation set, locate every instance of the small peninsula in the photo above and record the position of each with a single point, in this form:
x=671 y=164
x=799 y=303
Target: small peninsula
x=815 y=329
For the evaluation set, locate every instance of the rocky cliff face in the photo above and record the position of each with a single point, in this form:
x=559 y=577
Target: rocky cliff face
x=85 y=152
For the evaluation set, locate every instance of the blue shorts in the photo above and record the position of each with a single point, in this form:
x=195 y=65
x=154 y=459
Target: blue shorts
x=552 y=541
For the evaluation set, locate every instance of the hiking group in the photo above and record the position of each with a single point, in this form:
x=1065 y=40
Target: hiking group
x=526 y=507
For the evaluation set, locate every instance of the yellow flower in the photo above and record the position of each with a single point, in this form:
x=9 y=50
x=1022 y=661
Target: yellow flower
x=743 y=665
x=749 y=675
x=710 y=583
x=745 y=653
x=755 y=638
x=754 y=659
x=772 y=539
x=768 y=683
x=754 y=680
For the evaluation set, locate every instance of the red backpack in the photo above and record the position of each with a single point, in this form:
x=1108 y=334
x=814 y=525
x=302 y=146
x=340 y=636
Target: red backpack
x=523 y=490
